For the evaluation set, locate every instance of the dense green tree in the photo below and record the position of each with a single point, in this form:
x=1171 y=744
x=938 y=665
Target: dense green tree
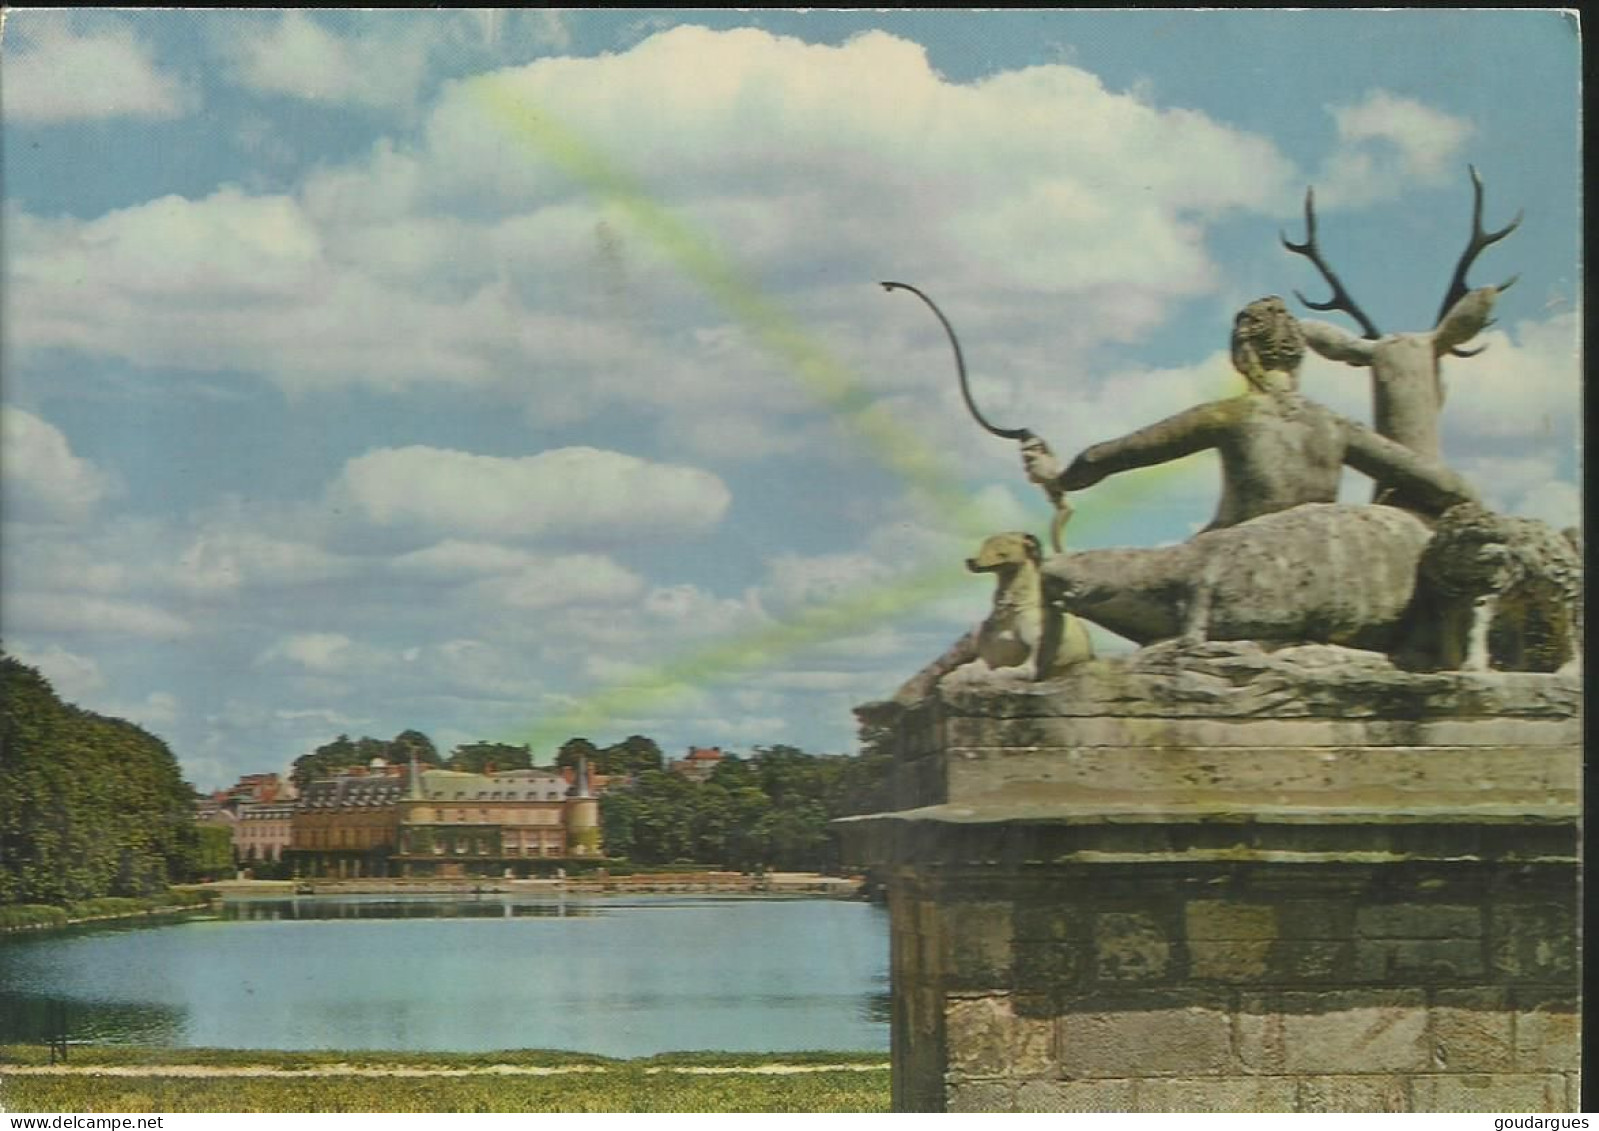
x=213 y=855
x=414 y=742
x=619 y=812
x=89 y=805
x=573 y=749
x=772 y=810
x=634 y=755
x=324 y=761
x=477 y=757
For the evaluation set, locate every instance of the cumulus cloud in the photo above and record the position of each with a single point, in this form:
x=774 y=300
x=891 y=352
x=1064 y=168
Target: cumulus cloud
x=298 y=57
x=75 y=677
x=798 y=580
x=570 y=579
x=455 y=559
x=1385 y=143
x=572 y=492
x=1526 y=385
x=1529 y=486
x=224 y=561
x=57 y=612
x=472 y=256
x=325 y=653
x=55 y=74
x=157 y=711
x=43 y=480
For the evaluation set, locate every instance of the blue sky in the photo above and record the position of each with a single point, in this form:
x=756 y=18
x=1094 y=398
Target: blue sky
x=515 y=375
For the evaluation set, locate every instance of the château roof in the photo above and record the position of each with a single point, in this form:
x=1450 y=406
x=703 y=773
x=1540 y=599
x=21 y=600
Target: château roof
x=506 y=785
x=360 y=790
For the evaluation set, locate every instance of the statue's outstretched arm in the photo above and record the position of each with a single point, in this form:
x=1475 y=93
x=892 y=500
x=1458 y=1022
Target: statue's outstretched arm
x=1425 y=480
x=1176 y=436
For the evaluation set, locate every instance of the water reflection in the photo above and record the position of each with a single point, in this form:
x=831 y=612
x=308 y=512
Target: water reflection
x=315 y=907
x=616 y=975
x=35 y=1018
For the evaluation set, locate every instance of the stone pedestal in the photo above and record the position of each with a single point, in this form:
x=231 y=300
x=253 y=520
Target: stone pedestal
x=1216 y=879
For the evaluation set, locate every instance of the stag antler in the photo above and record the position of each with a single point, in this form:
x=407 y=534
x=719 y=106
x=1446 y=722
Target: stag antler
x=1340 y=298
x=1480 y=241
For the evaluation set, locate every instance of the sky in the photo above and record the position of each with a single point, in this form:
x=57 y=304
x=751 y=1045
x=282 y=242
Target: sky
x=517 y=375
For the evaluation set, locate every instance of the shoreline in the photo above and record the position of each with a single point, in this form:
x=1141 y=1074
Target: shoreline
x=674 y=883
x=777 y=884
x=51 y=917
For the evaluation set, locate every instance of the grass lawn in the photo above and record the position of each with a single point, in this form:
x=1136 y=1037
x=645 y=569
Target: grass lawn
x=521 y=1081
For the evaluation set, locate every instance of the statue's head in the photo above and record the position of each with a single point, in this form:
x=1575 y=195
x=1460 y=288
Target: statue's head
x=1267 y=339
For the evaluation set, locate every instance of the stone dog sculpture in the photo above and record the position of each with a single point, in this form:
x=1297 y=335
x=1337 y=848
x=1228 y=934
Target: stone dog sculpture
x=1022 y=631
x=1498 y=592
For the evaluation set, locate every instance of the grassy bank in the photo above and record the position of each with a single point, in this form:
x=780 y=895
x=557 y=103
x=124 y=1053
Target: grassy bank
x=45 y=916
x=145 y=1080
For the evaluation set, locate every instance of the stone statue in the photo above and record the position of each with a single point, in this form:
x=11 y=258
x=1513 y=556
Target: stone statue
x=1407 y=390
x=1495 y=591
x=1283 y=563
x=1324 y=573
x=1278 y=449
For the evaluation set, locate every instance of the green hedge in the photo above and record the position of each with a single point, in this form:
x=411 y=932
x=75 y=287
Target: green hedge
x=25 y=916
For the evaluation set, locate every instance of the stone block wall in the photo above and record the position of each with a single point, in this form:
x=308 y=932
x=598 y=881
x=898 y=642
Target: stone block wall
x=1237 y=987
x=1201 y=901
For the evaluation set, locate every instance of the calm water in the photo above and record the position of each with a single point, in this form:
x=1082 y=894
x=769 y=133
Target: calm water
x=619 y=976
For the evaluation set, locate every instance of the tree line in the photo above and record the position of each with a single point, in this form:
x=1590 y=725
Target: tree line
x=771 y=809
x=635 y=754
x=90 y=806
x=94 y=806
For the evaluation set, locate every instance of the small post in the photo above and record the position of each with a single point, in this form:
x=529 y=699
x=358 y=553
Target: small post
x=57 y=1023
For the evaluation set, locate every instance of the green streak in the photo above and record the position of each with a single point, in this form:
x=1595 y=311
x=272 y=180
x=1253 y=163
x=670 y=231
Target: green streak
x=694 y=253
x=898 y=448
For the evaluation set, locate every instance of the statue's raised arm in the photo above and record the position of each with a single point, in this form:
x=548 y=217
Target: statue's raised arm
x=1278 y=449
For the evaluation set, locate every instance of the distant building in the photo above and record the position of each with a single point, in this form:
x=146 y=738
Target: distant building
x=406 y=821
x=258 y=788
x=599 y=784
x=347 y=824
x=699 y=764
x=209 y=809
x=263 y=832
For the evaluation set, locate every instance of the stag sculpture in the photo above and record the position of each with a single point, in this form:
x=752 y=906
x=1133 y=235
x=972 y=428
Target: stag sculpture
x=1407 y=389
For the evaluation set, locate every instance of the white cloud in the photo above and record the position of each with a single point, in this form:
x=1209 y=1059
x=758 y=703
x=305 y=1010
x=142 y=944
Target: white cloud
x=74 y=677
x=325 y=653
x=157 y=711
x=54 y=74
x=56 y=612
x=471 y=257
x=1556 y=502
x=300 y=58
x=1387 y=142
x=796 y=581
x=1526 y=385
x=43 y=480
x=455 y=559
x=223 y=561
x=556 y=582
x=583 y=492
x=1529 y=486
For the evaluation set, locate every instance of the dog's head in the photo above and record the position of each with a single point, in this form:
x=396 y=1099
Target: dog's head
x=1473 y=553
x=1001 y=550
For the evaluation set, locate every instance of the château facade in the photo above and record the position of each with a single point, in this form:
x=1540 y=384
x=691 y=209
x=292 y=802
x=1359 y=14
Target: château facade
x=385 y=820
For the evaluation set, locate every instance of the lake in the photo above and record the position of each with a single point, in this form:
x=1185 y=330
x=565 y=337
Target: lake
x=615 y=975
